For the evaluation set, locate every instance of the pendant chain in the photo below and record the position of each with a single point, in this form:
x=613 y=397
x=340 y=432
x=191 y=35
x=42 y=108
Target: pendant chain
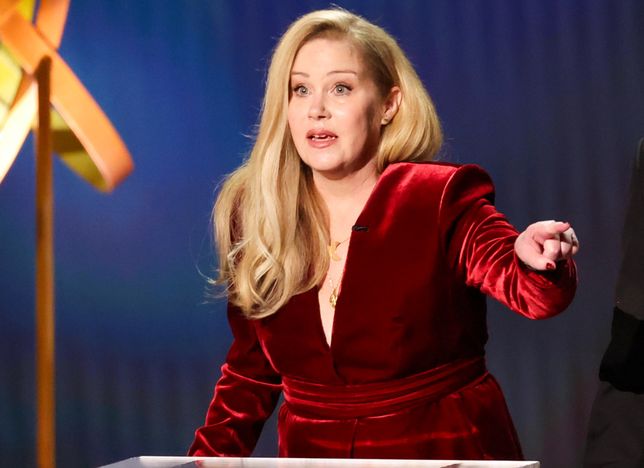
x=333 y=255
x=333 y=247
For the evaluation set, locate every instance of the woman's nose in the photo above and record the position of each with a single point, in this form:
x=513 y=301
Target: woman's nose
x=318 y=108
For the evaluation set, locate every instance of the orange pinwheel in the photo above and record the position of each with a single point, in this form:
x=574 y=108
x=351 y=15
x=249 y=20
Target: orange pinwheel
x=82 y=135
x=33 y=79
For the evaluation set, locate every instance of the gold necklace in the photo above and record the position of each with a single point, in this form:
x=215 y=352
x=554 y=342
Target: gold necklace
x=333 y=255
x=333 y=247
x=333 y=298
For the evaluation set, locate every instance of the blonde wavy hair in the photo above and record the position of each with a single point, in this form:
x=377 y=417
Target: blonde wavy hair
x=271 y=228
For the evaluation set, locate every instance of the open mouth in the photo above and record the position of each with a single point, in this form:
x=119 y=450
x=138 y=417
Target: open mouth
x=321 y=136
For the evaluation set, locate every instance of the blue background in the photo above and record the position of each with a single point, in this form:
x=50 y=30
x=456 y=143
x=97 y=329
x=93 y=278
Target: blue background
x=547 y=95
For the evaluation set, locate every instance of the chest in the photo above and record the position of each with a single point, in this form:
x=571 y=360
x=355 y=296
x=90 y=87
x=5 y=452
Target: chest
x=392 y=315
x=401 y=307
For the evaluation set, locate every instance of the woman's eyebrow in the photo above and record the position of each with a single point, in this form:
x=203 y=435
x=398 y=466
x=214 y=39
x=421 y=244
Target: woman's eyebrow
x=332 y=72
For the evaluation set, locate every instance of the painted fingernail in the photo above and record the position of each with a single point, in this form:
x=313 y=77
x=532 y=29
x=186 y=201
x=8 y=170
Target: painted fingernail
x=550 y=266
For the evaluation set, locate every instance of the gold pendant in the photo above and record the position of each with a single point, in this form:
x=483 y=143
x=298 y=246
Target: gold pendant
x=333 y=250
x=333 y=298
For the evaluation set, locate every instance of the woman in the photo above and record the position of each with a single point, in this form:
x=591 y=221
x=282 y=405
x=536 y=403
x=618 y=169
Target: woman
x=356 y=270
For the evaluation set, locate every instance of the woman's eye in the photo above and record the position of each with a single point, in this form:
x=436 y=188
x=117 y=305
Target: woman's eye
x=300 y=90
x=341 y=89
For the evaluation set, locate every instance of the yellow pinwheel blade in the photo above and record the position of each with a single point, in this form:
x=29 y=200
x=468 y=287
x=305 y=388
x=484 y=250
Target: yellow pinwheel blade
x=16 y=128
x=10 y=71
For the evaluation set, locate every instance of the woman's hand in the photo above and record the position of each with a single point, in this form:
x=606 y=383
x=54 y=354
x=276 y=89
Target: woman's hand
x=544 y=243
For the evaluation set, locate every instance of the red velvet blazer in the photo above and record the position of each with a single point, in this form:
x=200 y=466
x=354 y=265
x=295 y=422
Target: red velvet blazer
x=404 y=376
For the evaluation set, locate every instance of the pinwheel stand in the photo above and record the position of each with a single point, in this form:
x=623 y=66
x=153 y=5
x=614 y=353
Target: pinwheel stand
x=45 y=329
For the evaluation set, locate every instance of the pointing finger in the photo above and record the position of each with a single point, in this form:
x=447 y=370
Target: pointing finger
x=552 y=249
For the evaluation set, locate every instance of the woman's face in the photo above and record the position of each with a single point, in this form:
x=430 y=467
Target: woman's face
x=335 y=110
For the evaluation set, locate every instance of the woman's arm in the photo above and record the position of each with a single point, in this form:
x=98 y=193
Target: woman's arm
x=481 y=246
x=244 y=397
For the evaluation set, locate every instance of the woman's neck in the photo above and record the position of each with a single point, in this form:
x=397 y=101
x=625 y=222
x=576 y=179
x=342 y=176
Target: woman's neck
x=345 y=198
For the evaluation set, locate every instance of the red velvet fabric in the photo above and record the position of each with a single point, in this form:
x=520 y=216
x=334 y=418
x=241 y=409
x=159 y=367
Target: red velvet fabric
x=429 y=247
x=375 y=399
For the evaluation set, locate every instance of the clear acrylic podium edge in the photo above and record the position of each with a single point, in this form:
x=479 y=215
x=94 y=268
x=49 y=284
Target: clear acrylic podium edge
x=259 y=462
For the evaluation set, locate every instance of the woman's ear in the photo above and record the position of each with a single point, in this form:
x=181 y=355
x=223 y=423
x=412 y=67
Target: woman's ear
x=391 y=105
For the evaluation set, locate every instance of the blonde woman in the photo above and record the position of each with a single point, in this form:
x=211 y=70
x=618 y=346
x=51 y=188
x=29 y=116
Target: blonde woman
x=357 y=269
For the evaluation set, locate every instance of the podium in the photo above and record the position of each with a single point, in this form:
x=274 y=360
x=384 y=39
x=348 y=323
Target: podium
x=257 y=462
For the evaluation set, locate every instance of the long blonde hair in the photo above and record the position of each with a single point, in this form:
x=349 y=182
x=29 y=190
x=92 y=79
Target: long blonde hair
x=271 y=228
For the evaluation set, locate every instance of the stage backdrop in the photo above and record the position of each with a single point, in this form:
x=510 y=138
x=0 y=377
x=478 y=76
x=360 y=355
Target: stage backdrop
x=548 y=95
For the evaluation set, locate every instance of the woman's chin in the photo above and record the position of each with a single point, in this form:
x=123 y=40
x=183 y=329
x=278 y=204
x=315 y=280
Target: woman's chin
x=326 y=167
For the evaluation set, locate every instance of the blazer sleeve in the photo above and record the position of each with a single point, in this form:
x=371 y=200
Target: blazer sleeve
x=480 y=246
x=244 y=396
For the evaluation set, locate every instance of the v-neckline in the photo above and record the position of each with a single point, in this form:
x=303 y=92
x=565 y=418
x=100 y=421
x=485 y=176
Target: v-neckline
x=315 y=290
x=329 y=340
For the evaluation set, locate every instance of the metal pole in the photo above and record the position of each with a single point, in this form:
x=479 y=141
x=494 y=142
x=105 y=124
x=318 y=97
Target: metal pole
x=45 y=352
